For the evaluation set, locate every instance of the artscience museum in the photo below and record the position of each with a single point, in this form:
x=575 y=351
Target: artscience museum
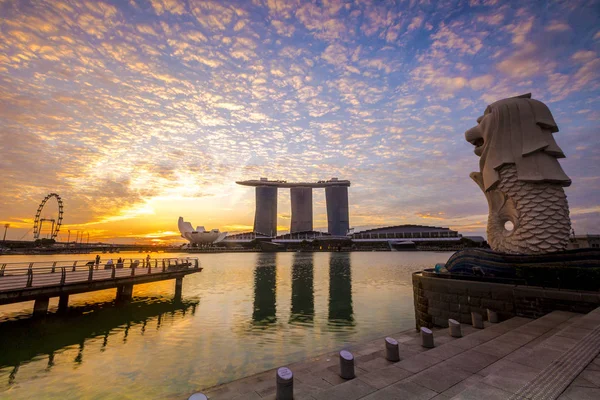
x=199 y=236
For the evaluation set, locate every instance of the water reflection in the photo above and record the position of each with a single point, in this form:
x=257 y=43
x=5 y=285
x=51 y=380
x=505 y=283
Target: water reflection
x=30 y=338
x=340 y=290
x=303 y=302
x=265 y=280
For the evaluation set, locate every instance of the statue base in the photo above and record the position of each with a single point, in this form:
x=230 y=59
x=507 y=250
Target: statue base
x=577 y=269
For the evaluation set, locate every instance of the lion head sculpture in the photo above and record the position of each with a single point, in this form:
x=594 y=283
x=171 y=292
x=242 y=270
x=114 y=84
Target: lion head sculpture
x=521 y=177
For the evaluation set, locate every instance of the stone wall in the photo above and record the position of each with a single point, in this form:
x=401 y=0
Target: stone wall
x=437 y=299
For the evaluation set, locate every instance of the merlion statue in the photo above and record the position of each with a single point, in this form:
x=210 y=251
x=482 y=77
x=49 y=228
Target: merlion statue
x=521 y=177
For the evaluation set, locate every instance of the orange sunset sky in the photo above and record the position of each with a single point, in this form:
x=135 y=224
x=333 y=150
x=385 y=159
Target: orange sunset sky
x=140 y=111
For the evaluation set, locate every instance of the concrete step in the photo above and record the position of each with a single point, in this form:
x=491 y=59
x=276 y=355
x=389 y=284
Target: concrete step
x=545 y=366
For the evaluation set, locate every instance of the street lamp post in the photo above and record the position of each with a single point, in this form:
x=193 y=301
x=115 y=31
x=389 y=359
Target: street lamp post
x=6 y=226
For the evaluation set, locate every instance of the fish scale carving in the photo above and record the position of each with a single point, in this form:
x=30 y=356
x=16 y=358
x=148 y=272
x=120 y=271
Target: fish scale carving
x=542 y=216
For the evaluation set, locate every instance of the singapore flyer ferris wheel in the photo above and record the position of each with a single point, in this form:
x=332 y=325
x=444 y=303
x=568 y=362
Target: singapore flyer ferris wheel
x=56 y=222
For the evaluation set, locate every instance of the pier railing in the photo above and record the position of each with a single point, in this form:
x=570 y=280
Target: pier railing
x=45 y=272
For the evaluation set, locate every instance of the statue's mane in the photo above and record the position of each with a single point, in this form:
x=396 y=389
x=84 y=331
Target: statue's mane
x=520 y=133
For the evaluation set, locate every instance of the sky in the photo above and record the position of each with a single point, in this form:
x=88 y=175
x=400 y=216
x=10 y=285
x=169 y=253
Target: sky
x=137 y=112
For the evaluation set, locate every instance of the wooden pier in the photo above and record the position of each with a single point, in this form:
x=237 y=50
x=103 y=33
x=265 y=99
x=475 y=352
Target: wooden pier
x=40 y=281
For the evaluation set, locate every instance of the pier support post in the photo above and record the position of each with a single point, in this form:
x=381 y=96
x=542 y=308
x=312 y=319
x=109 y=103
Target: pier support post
x=285 y=384
x=178 y=287
x=392 y=351
x=346 y=365
x=63 y=302
x=124 y=292
x=426 y=338
x=40 y=307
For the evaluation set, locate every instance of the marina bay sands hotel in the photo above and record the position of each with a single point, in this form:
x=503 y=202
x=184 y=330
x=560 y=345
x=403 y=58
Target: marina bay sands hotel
x=336 y=196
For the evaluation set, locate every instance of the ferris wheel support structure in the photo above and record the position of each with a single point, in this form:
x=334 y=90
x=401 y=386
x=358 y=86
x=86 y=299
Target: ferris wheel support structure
x=56 y=223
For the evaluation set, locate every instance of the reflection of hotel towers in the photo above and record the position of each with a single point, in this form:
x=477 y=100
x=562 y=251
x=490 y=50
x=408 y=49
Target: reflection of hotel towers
x=340 y=289
x=265 y=217
x=265 y=280
x=303 y=302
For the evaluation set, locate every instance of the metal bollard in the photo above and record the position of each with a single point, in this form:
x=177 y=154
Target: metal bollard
x=346 y=365
x=426 y=337
x=392 y=352
x=477 y=320
x=285 y=384
x=198 y=396
x=492 y=316
x=454 y=327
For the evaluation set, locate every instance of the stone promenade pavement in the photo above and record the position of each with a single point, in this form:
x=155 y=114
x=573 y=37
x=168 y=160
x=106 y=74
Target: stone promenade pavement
x=519 y=358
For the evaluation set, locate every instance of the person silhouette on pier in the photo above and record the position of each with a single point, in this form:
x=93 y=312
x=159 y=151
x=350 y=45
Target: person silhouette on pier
x=97 y=260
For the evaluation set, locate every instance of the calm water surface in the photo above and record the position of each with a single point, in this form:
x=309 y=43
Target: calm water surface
x=244 y=313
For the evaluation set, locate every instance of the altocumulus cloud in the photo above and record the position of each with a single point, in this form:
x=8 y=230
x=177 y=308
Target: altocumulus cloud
x=114 y=103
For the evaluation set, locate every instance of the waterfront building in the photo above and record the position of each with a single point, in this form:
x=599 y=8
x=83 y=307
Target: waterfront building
x=413 y=232
x=410 y=237
x=338 y=220
x=199 y=236
x=584 y=241
x=302 y=209
x=265 y=216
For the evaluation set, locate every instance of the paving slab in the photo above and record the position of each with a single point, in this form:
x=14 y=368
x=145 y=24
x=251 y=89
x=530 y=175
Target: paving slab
x=517 y=338
x=248 y=396
x=385 y=376
x=476 y=338
x=312 y=380
x=538 y=358
x=501 y=364
x=515 y=322
x=511 y=378
x=350 y=390
x=402 y=391
x=581 y=381
x=445 y=352
x=574 y=332
x=481 y=391
x=592 y=376
x=440 y=377
x=418 y=362
x=471 y=361
x=580 y=393
x=462 y=385
x=375 y=364
x=497 y=347
x=560 y=343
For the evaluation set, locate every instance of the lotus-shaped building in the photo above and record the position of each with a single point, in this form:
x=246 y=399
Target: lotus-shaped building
x=199 y=235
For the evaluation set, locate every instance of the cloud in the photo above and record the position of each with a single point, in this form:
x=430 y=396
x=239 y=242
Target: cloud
x=171 y=6
x=557 y=26
x=415 y=23
x=524 y=63
x=135 y=113
x=451 y=37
